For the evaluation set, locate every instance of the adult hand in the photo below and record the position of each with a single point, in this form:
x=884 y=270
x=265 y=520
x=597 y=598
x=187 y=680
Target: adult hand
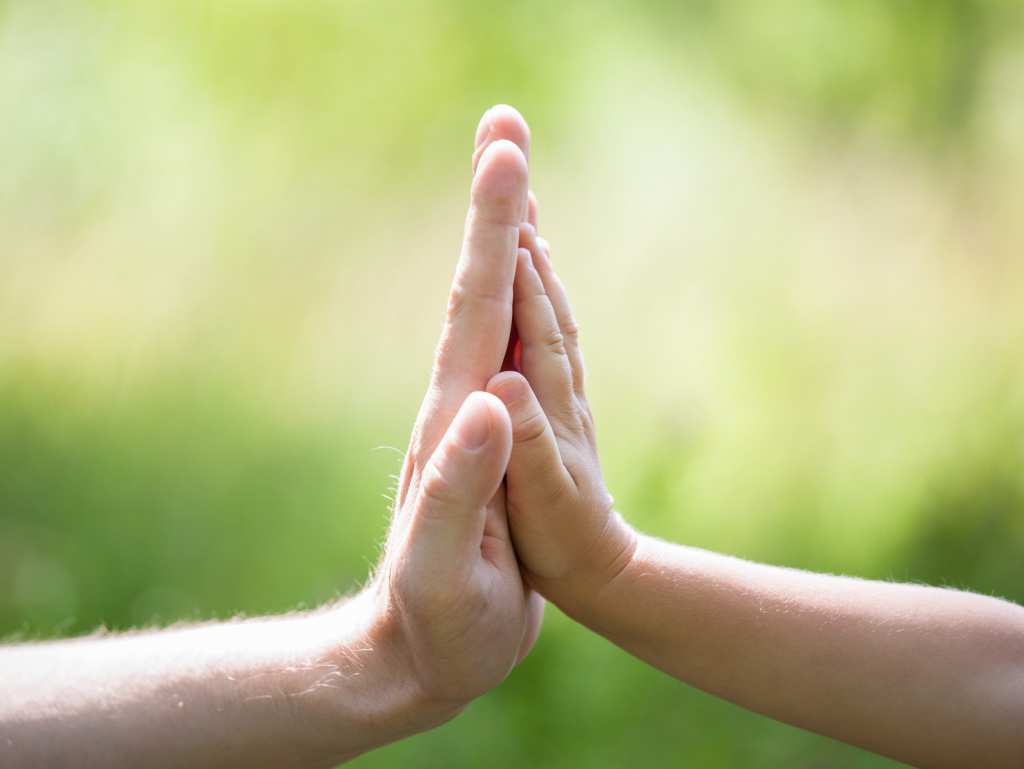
x=443 y=620
x=449 y=585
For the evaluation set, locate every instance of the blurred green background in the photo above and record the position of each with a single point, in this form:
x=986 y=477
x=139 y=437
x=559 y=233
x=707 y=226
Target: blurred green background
x=791 y=232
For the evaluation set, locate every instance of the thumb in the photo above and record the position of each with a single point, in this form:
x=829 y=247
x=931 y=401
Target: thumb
x=461 y=477
x=537 y=477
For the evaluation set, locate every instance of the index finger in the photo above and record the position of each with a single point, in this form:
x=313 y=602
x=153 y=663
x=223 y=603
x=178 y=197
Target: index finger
x=479 y=316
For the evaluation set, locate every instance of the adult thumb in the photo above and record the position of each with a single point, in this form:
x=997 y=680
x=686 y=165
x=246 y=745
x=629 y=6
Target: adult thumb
x=461 y=477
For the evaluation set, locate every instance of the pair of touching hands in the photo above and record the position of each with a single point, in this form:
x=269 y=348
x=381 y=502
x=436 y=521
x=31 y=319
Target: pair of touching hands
x=501 y=498
x=500 y=502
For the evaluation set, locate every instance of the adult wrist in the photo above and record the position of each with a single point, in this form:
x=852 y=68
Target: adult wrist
x=368 y=694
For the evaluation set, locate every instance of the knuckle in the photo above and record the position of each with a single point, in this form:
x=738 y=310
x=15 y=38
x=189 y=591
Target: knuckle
x=589 y=425
x=418 y=453
x=464 y=295
x=507 y=122
x=457 y=299
x=570 y=328
x=579 y=372
x=555 y=341
x=530 y=428
x=418 y=458
x=436 y=490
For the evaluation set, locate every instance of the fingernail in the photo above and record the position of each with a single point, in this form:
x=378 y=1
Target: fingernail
x=526 y=258
x=472 y=429
x=511 y=390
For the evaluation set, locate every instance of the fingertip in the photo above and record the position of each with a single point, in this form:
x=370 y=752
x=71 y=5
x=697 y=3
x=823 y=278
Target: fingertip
x=503 y=151
x=527 y=282
x=529 y=239
x=501 y=122
x=534 y=451
x=507 y=111
x=481 y=420
x=483 y=130
x=501 y=422
x=508 y=387
x=524 y=259
x=472 y=426
x=502 y=176
x=509 y=124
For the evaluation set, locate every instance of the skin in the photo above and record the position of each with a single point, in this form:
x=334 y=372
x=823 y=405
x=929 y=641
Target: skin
x=931 y=677
x=443 y=619
x=927 y=676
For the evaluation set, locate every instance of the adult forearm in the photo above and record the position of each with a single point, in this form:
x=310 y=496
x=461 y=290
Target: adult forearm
x=311 y=690
x=929 y=676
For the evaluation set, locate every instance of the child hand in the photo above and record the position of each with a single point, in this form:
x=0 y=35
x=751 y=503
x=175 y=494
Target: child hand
x=569 y=540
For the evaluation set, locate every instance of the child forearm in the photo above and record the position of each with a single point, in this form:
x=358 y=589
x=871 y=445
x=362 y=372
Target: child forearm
x=929 y=676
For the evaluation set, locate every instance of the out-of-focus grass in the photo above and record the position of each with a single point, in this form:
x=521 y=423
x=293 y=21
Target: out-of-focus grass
x=226 y=235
